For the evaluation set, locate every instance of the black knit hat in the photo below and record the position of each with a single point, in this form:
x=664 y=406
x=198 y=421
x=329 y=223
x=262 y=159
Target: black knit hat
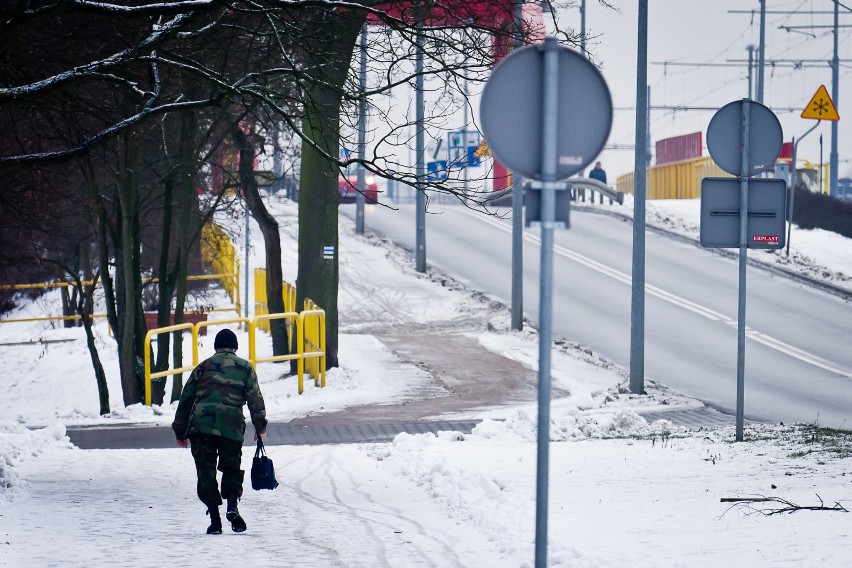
x=225 y=339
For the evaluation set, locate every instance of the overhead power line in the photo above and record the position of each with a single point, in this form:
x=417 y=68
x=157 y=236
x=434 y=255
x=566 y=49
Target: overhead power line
x=700 y=108
x=785 y=12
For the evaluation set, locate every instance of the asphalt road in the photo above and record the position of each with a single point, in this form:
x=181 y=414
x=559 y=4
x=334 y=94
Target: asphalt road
x=798 y=357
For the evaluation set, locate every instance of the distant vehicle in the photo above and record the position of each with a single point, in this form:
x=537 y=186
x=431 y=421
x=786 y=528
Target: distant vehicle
x=347 y=188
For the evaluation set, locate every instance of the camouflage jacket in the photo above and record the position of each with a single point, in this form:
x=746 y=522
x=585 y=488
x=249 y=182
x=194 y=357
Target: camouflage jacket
x=213 y=397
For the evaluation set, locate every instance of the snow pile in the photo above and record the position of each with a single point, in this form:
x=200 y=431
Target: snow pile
x=18 y=444
x=572 y=424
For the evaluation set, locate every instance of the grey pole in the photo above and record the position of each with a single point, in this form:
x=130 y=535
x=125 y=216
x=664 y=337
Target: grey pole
x=835 y=87
x=647 y=129
x=549 y=111
x=761 y=51
x=750 y=52
x=741 y=303
x=420 y=241
x=362 y=134
x=464 y=130
x=518 y=216
x=246 y=267
x=821 y=167
x=792 y=194
x=637 y=292
x=793 y=181
x=583 y=27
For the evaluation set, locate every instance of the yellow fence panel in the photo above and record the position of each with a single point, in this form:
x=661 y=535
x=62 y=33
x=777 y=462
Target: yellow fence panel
x=149 y=376
x=261 y=307
x=677 y=180
x=310 y=345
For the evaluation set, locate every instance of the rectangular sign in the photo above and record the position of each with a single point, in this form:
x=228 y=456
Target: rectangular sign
x=720 y=213
x=461 y=148
x=436 y=170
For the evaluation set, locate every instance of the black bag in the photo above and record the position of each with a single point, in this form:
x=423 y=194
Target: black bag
x=262 y=470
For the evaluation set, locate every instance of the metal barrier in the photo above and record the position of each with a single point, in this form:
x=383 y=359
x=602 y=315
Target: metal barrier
x=220 y=277
x=261 y=305
x=310 y=331
x=677 y=180
x=149 y=376
x=312 y=327
x=209 y=323
x=292 y=321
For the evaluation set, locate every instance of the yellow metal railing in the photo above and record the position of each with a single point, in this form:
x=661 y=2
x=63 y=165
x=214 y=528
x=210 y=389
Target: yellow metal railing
x=310 y=345
x=677 y=180
x=261 y=304
x=149 y=376
x=223 y=277
x=682 y=180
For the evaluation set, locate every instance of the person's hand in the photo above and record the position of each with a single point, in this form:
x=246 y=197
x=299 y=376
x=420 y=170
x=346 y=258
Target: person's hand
x=183 y=443
x=261 y=436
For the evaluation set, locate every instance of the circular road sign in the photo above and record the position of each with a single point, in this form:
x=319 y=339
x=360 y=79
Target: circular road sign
x=511 y=112
x=725 y=138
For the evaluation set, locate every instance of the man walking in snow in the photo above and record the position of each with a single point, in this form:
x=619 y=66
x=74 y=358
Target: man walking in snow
x=210 y=416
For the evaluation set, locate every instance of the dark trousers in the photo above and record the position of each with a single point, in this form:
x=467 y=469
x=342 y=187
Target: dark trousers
x=207 y=449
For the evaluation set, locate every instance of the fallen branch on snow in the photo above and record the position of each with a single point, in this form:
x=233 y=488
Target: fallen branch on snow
x=785 y=505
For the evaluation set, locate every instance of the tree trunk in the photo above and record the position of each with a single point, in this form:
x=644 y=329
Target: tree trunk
x=318 y=199
x=130 y=318
x=271 y=238
x=165 y=291
x=84 y=309
x=186 y=233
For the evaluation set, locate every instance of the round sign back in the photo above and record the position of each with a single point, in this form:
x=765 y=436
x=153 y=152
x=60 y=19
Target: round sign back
x=511 y=112
x=725 y=138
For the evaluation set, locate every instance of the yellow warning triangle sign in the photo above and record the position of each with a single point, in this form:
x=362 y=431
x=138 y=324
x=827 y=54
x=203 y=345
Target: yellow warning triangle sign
x=820 y=106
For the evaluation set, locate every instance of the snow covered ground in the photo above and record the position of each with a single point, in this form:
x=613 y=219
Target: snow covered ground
x=622 y=492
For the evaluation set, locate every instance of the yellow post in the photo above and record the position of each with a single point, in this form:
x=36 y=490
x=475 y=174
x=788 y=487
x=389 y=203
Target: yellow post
x=313 y=326
x=149 y=376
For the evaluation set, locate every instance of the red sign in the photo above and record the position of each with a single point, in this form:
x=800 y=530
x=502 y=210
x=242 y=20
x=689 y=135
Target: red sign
x=765 y=239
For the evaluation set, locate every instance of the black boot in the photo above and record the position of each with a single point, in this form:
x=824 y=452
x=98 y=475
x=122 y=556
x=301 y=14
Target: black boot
x=215 y=521
x=233 y=514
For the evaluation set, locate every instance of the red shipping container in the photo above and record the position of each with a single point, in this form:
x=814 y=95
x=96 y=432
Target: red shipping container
x=679 y=148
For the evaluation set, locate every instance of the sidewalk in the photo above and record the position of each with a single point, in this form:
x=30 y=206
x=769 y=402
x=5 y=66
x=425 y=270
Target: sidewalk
x=468 y=380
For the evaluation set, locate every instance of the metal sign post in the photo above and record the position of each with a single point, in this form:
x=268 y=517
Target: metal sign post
x=744 y=138
x=546 y=112
x=741 y=301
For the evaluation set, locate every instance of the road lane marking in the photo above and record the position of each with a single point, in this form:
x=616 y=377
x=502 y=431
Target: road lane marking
x=676 y=300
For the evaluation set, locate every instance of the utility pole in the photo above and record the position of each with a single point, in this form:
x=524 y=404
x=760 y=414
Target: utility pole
x=637 y=304
x=835 y=97
x=518 y=213
x=420 y=170
x=761 y=51
x=362 y=135
x=750 y=52
x=583 y=28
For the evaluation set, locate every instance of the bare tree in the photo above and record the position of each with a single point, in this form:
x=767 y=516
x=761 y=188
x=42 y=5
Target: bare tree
x=104 y=74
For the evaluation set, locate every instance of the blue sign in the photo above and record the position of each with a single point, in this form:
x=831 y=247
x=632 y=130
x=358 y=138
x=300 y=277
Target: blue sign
x=461 y=147
x=437 y=170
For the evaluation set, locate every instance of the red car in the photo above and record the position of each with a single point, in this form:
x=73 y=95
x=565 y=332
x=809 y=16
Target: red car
x=346 y=189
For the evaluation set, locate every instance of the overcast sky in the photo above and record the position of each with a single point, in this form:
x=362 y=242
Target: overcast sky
x=697 y=31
